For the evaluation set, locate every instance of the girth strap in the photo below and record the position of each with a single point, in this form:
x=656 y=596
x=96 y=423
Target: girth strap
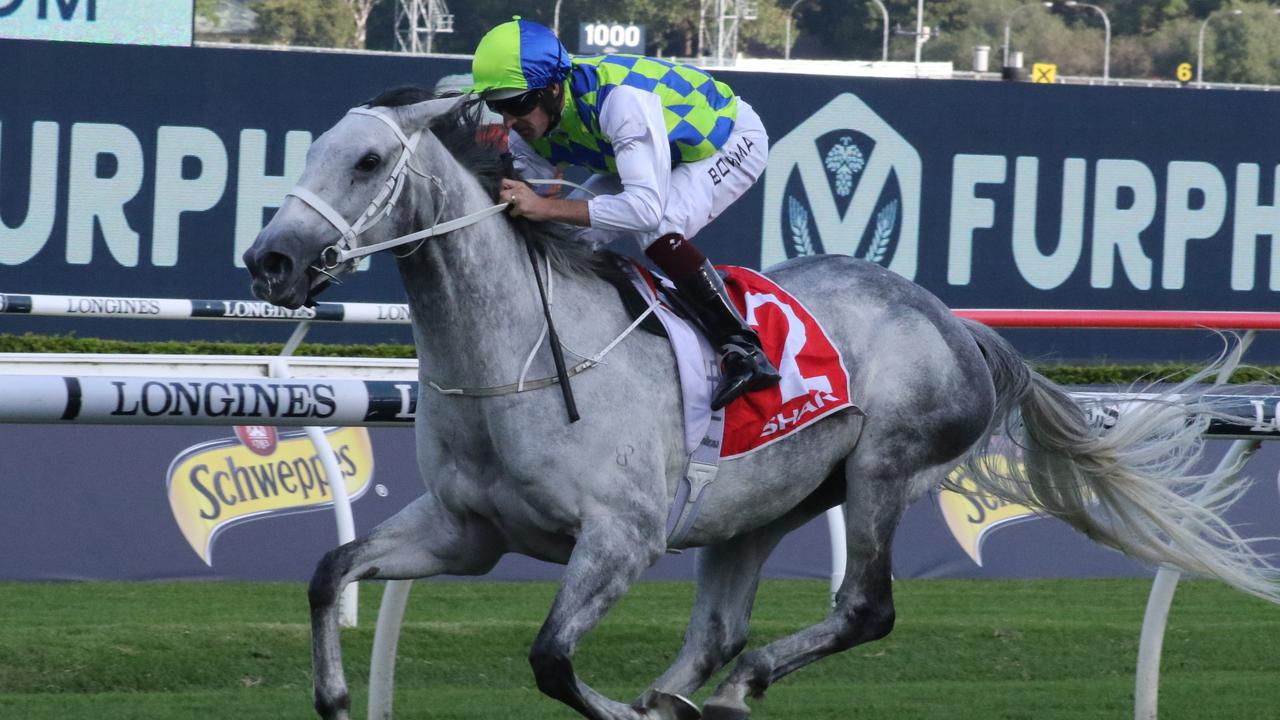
x=704 y=464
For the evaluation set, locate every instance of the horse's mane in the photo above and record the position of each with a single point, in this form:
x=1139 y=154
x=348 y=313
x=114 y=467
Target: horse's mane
x=461 y=132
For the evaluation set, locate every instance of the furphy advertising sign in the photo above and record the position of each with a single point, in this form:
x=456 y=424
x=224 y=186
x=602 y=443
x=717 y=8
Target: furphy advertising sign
x=997 y=194
x=138 y=22
x=150 y=171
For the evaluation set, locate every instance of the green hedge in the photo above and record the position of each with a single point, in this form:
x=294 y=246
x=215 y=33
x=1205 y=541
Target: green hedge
x=30 y=342
x=1060 y=373
x=1141 y=374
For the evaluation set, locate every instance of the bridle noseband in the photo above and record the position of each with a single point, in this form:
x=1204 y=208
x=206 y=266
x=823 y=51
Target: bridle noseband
x=381 y=206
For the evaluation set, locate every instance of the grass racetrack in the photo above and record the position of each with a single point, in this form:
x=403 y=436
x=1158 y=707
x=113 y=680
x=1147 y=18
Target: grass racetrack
x=961 y=650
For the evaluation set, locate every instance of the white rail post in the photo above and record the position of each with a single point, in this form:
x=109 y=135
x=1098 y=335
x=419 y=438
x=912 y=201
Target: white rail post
x=1150 y=645
x=348 y=603
x=382 y=663
x=1146 y=693
x=839 y=551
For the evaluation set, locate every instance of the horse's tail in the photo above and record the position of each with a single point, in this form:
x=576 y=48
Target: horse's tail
x=1127 y=482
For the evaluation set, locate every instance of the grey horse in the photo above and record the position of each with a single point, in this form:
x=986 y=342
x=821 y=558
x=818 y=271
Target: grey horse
x=507 y=472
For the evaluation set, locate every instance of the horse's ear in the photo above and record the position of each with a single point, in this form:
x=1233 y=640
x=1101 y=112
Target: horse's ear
x=418 y=115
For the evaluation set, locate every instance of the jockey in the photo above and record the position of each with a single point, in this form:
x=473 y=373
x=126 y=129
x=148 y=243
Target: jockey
x=670 y=148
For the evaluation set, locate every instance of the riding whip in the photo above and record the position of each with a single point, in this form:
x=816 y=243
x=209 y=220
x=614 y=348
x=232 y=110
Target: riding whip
x=556 y=353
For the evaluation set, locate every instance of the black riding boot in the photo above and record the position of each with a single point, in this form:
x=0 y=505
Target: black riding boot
x=743 y=364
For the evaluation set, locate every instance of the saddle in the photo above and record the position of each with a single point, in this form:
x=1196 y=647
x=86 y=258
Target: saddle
x=815 y=382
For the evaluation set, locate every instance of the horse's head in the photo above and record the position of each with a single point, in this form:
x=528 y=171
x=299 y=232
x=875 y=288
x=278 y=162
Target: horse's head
x=354 y=179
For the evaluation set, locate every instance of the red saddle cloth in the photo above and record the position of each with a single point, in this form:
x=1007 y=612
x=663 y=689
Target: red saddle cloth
x=814 y=382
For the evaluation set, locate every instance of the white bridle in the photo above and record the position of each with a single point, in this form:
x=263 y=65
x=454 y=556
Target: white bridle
x=345 y=249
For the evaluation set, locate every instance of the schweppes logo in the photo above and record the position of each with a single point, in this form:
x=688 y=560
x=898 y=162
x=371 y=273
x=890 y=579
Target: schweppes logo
x=974 y=514
x=215 y=485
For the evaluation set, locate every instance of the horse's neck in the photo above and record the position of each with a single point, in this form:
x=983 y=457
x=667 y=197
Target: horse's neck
x=473 y=296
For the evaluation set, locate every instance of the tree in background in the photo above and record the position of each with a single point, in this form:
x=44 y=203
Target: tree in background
x=1150 y=37
x=1130 y=58
x=1145 y=17
x=314 y=23
x=1173 y=44
x=1040 y=34
x=473 y=18
x=360 y=10
x=981 y=22
x=842 y=29
x=207 y=9
x=766 y=35
x=1243 y=48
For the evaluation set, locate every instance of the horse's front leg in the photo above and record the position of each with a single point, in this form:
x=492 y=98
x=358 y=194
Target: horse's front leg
x=420 y=541
x=610 y=553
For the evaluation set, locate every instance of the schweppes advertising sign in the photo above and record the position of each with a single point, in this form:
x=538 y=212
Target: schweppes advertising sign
x=973 y=514
x=256 y=475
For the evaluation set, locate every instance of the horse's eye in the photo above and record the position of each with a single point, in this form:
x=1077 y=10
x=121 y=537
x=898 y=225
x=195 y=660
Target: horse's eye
x=368 y=163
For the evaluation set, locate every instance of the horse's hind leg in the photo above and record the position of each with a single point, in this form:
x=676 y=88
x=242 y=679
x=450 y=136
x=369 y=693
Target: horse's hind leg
x=610 y=553
x=728 y=577
x=864 y=603
x=419 y=541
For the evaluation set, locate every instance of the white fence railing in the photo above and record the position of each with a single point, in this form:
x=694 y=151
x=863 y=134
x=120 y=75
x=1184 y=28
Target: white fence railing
x=221 y=390
x=214 y=390
x=184 y=309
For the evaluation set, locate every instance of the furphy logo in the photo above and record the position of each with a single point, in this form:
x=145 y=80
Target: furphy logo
x=93 y=208
x=972 y=515
x=215 y=485
x=843 y=181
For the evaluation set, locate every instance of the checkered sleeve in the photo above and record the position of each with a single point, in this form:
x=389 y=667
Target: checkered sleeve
x=632 y=120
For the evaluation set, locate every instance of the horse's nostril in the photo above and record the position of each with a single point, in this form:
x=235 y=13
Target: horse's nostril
x=274 y=263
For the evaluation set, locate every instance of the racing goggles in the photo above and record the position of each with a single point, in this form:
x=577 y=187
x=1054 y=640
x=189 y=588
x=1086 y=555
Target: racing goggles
x=517 y=106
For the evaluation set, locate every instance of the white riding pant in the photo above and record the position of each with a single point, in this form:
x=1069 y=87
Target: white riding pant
x=700 y=190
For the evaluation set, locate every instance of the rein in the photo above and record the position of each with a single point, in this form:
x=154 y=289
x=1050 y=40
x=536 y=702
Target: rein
x=343 y=253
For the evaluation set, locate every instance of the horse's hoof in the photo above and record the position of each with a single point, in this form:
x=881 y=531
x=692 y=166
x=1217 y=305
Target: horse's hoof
x=725 y=710
x=666 y=706
x=337 y=707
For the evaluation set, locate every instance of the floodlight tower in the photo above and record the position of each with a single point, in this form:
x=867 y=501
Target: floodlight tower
x=418 y=18
x=728 y=14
